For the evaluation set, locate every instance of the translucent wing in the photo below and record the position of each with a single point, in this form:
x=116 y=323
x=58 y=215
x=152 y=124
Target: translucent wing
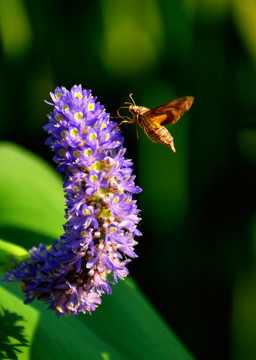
x=170 y=112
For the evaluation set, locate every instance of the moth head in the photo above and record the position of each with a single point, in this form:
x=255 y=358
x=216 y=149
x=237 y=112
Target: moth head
x=132 y=108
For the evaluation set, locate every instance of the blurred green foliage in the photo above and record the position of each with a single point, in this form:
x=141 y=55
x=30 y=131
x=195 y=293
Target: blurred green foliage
x=197 y=255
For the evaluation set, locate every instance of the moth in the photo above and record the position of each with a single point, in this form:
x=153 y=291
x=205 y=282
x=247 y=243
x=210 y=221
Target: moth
x=153 y=121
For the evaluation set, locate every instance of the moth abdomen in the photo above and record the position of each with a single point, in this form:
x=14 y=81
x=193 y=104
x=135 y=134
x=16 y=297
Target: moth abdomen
x=162 y=136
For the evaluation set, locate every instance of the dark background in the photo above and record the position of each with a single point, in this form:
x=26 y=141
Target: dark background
x=197 y=256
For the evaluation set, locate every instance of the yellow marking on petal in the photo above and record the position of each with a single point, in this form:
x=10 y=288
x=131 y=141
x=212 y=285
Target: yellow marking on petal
x=77 y=153
x=59 y=309
x=113 y=229
x=58 y=117
x=87 y=152
x=73 y=132
x=64 y=133
x=107 y=136
x=97 y=166
x=91 y=107
x=103 y=126
x=78 y=95
x=115 y=199
x=62 y=152
x=78 y=115
x=93 y=136
x=65 y=107
x=93 y=177
x=58 y=95
x=86 y=211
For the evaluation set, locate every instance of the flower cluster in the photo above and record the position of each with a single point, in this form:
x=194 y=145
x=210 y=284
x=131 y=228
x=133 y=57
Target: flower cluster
x=101 y=214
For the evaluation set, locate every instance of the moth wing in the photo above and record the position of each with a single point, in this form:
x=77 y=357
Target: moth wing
x=170 y=112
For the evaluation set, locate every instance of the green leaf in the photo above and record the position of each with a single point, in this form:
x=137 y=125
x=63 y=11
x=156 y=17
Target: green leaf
x=124 y=327
x=31 y=198
x=8 y=252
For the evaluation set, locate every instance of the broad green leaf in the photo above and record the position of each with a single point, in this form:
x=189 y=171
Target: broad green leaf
x=31 y=198
x=8 y=252
x=124 y=327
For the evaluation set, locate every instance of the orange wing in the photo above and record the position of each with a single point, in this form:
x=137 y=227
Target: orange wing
x=170 y=112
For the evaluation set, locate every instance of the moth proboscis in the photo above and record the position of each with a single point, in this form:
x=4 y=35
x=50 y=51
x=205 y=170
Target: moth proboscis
x=153 y=121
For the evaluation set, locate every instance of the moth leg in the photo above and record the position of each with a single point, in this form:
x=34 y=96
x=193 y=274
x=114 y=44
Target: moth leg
x=137 y=132
x=146 y=132
x=118 y=110
x=126 y=119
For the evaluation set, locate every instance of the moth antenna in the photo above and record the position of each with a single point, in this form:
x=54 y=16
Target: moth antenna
x=133 y=102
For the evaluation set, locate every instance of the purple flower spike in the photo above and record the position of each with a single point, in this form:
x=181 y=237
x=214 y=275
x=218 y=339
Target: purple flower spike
x=101 y=215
